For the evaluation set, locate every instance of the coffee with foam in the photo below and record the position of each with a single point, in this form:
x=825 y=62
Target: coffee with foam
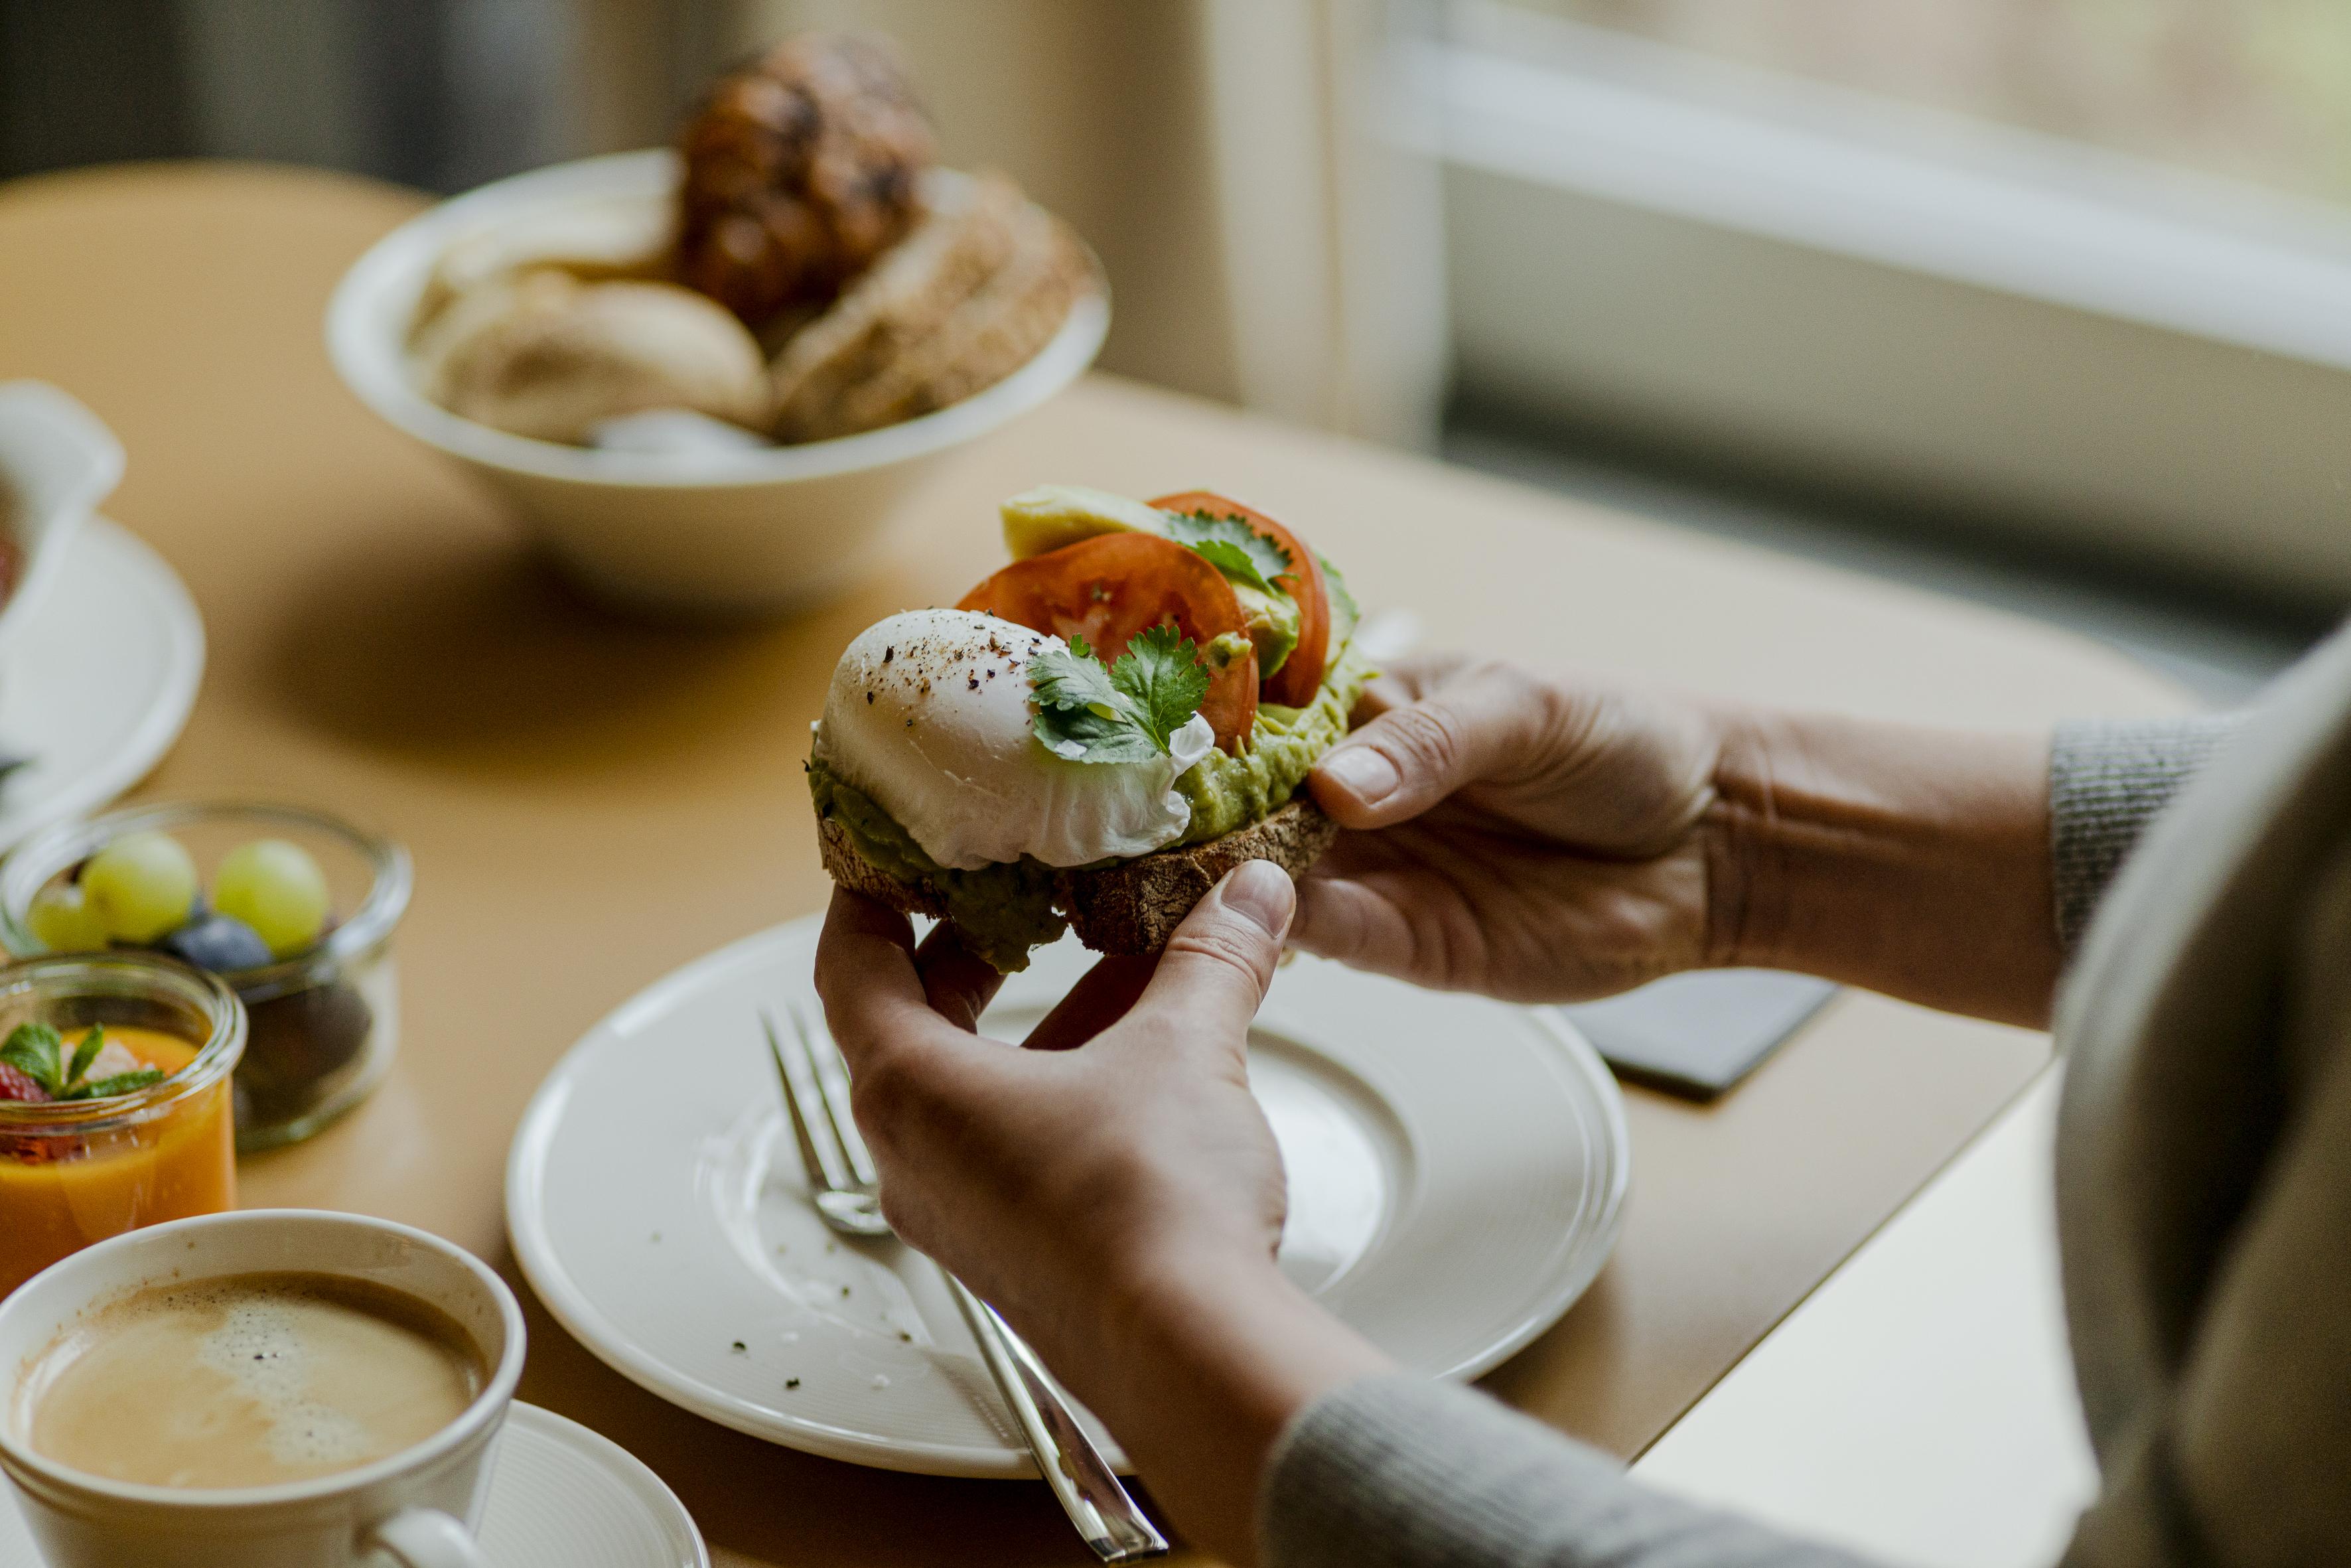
x=247 y=1380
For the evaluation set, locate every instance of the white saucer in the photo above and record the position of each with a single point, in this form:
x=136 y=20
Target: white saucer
x=564 y=1497
x=100 y=682
x=1457 y=1171
x=561 y=1497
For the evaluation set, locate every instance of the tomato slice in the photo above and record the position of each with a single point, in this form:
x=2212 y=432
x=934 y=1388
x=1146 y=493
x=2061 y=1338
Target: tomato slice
x=1301 y=676
x=1108 y=587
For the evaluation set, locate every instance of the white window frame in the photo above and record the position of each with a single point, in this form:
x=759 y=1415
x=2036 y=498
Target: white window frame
x=2055 y=340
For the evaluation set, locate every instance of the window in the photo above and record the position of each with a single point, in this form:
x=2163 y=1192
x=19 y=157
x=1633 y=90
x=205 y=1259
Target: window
x=2077 y=269
x=2257 y=90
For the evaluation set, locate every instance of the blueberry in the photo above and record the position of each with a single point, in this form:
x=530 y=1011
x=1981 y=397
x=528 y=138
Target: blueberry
x=221 y=943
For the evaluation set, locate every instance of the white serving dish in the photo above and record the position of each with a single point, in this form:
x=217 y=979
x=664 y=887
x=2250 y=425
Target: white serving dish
x=760 y=531
x=56 y=463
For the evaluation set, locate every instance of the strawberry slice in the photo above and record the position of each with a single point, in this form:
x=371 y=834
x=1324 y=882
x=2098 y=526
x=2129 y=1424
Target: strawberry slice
x=15 y=1085
x=32 y=1151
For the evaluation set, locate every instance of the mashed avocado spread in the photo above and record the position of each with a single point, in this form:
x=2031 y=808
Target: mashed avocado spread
x=1005 y=910
x=1002 y=910
x=1228 y=793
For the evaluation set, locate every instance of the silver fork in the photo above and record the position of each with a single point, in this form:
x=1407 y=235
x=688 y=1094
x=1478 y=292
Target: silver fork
x=847 y=1194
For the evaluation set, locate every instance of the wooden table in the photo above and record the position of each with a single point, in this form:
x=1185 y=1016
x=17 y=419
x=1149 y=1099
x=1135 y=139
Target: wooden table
x=593 y=802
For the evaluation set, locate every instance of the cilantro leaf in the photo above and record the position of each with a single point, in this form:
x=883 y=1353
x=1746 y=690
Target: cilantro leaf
x=1081 y=735
x=1232 y=546
x=1081 y=715
x=34 y=1050
x=1161 y=674
x=1087 y=713
x=1342 y=602
x=1346 y=615
x=1076 y=680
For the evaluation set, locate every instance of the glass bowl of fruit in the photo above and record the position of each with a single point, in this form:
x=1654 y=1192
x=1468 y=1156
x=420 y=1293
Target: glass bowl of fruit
x=114 y=1102
x=290 y=907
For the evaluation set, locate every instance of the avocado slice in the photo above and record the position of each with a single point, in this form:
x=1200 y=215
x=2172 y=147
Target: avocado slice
x=1271 y=621
x=1052 y=516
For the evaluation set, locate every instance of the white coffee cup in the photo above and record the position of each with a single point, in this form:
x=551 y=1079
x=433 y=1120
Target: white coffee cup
x=418 y=1508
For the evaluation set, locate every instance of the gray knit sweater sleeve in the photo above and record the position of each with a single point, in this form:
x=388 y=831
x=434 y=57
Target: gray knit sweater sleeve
x=2107 y=779
x=1394 y=1472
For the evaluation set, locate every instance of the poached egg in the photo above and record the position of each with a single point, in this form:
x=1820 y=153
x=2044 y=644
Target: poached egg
x=929 y=715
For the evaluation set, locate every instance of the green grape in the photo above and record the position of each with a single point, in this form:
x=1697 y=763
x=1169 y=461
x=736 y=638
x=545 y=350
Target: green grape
x=64 y=921
x=276 y=888
x=142 y=885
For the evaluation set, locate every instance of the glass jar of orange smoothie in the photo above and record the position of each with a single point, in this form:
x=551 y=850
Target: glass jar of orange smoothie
x=116 y=1110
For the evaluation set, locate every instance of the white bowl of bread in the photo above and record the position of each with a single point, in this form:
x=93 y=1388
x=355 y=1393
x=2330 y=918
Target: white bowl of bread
x=687 y=449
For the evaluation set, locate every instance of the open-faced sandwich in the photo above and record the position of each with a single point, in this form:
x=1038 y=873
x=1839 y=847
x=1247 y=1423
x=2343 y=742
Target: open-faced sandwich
x=1097 y=733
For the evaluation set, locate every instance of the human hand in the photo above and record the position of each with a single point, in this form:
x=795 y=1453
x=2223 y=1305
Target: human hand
x=1534 y=839
x=1117 y=1196
x=1041 y=1176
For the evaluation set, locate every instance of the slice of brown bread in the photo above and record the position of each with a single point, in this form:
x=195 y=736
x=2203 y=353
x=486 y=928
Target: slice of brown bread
x=1130 y=907
x=995 y=332
x=855 y=872
x=901 y=300
x=1135 y=905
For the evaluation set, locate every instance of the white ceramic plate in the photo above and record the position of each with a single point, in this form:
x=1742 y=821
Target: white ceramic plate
x=99 y=681
x=1456 y=1170
x=561 y=1497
